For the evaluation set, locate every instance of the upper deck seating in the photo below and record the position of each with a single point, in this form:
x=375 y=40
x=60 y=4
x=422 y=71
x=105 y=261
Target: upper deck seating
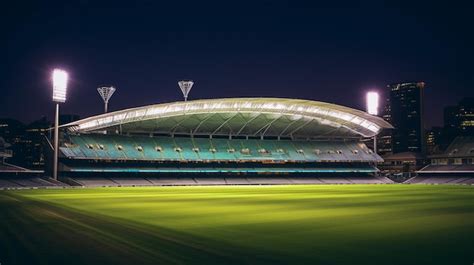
x=116 y=147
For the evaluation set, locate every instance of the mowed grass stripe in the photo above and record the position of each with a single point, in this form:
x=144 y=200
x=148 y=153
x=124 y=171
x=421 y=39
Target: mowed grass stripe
x=327 y=224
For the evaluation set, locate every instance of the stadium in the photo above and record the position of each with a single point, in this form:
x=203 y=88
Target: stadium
x=213 y=181
x=222 y=141
x=236 y=133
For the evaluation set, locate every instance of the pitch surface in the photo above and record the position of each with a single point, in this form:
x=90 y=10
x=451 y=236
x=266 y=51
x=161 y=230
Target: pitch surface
x=322 y=224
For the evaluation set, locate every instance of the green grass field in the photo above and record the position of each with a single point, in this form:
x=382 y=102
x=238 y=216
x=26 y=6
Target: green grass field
x=321 y=224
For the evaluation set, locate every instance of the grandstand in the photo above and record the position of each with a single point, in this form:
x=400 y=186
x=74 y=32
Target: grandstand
x=12 y=176
x=454 y=166
x=222 y=141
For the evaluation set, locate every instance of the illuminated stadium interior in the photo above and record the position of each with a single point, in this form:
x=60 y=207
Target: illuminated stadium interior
x=241 y=135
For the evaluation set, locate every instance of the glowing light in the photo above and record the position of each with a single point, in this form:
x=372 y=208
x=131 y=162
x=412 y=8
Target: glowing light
x=60 y=78
x=373 y=103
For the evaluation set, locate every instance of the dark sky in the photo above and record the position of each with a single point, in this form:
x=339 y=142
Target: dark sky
x=332 y=53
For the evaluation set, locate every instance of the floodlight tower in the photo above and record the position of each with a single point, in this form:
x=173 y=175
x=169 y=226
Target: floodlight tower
x=59 y=78
x=185 y=86
x=106 y=93
x=373 y=109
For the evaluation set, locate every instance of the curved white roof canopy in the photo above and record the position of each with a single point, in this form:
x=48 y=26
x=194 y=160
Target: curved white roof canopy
x=238 y=116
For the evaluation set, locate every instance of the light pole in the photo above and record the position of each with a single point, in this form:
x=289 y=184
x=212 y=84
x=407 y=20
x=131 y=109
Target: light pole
x=60 y=78
x=372 y=108
x=185 y=86
x=106 y=93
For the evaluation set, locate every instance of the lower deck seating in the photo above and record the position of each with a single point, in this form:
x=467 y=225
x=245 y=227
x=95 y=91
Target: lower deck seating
x=335 y=180
x=238 y=180
x=25 y=182
x=5 y=183
x=115 y=181
x=301 y=180
x=210 y=181
x=165 y=181
x=269 y=181
x=131 y=181
x=467 y=181
x=29 y=182
x=171 y=181
x=440 y=179
x=96 y=182
x=369 y=180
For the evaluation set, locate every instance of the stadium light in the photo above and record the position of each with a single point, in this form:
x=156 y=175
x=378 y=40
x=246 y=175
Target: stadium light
x=373 y=103
x=60 y=78
x=372 y=109
x=185 y=86
x=106 y=93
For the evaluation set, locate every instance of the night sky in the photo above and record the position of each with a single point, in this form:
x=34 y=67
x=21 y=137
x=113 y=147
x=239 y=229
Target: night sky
x=332 y=53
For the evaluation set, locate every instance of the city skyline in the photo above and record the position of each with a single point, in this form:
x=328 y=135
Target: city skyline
x=277 y=49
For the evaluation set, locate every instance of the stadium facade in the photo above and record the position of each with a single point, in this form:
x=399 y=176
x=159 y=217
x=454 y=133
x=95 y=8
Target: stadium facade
x=231 y=136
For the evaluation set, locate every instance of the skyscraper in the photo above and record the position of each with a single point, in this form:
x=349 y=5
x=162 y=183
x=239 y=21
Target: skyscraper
x=460 y=118
x=404 y=110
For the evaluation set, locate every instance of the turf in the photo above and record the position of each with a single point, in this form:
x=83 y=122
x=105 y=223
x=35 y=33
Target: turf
x=321 y=224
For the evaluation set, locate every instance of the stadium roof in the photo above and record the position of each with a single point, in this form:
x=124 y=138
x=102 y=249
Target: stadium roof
x=238 y=116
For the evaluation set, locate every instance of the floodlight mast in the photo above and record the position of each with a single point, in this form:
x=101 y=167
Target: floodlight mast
x=372 y=99
x=106 y=93
x=59 y=78
x=185 y=86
